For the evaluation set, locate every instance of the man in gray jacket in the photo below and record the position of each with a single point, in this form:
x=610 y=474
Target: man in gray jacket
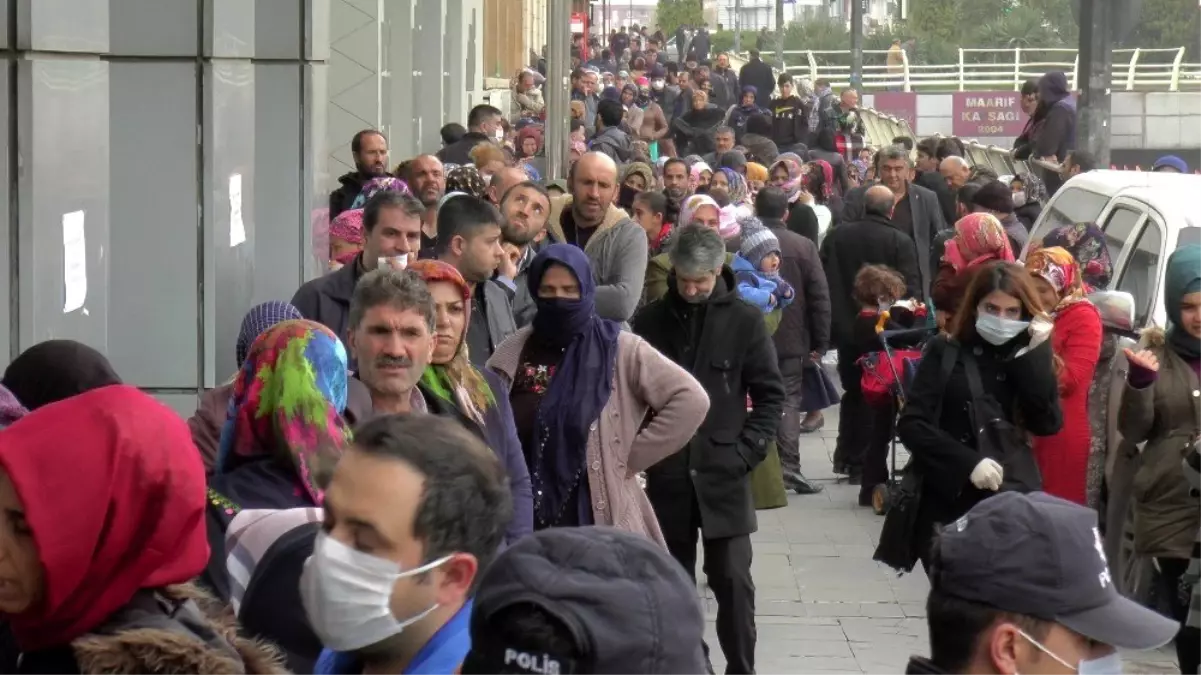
x=616 y=246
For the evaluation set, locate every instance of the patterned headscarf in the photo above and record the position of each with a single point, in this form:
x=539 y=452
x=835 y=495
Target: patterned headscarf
x=792 y=164
x=690 y=206
x=1057 y=267
x=456 y=381
x=258 y=320
x=287 y=402
x=979 y=237
x=1086 y=243
x=465 y=179
x=377 y=185
x=739 y=194
x=348 y=226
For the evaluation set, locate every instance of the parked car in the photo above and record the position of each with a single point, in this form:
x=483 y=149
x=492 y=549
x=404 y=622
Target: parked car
x=1145 y=217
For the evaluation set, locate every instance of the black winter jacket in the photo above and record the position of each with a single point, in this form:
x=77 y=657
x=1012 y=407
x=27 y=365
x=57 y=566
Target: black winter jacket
x=805 y=324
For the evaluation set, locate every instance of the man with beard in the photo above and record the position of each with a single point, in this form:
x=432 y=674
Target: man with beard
x=526 y=208
x=725 y=82
x=675 y=186
x=369 y=149
x=469 y=240
x=391 y=235
x=427 y=181
x=704 y=327
x=723 y=142
x=615 y=245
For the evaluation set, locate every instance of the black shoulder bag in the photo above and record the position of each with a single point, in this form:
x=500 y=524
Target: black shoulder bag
x=999 y=439
x=898 y=535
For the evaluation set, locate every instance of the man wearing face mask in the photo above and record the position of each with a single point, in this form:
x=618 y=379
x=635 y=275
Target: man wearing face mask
x=704 y=327
x=413 y=513
x=483 y=126
x=391 y=234
x=1020 y=584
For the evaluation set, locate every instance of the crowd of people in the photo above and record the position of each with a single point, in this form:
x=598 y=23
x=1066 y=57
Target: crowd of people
x=491 y=437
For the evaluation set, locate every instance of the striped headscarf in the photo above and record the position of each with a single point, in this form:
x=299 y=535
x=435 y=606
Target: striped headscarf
x=287 y=402
x=258 y=320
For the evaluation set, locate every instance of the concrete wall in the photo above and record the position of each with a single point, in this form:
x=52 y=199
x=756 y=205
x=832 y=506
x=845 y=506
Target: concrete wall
x=1139 y=119
x=403 y=67
x=159 y=161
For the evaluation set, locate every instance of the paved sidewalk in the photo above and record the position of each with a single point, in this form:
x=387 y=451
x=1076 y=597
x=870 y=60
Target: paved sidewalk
x=823 y=605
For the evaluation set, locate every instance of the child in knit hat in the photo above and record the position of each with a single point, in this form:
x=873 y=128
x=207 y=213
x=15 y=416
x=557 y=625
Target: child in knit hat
x=757 y=267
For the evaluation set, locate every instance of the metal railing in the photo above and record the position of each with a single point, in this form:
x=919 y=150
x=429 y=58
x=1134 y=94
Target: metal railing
x=882 y=128
x=983 y=69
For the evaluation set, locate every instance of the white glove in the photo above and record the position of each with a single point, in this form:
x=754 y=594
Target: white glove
x=987 y=475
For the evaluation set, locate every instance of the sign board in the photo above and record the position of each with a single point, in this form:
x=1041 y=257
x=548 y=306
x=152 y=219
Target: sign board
x=987 y=113
x=902 y=104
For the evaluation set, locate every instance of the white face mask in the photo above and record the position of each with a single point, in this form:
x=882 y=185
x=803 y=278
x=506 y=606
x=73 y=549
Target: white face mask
x=657 y=85
x=1106 y=665
x=347 y=595
x=997 y=330
x=499 y=134
x=1019 y=198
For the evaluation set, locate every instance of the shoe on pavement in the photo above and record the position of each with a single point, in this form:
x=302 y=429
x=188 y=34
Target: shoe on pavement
x=812 y=424
x=801 y=485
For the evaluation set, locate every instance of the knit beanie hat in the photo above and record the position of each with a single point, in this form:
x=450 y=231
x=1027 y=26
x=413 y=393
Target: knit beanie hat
x=757 y=240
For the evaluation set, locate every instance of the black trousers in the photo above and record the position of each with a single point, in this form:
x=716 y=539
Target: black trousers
x=728 y=572
x=788 y=434
x=879 y=440
x=1176 y=593
x=854 y=427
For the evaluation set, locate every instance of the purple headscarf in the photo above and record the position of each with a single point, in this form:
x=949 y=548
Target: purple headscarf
x=11 y=409
x=579 y=389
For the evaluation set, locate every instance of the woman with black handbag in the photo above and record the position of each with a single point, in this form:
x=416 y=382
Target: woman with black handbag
x=968 y=415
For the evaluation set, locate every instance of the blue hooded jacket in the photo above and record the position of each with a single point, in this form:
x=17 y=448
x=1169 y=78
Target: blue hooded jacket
x=442 y=655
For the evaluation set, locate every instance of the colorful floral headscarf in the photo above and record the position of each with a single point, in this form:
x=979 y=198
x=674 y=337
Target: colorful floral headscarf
x=739 y=193
x=287 y=402
x=979 y=237
x=465 y=179
x=377 y=185
x=695 y=177
x=1057 y=267
x=1086 y=243
x=692 y=204
x=792 y=164
x=456 y=381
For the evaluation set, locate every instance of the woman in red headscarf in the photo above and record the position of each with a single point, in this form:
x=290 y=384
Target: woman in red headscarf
x=102 y=498
x=979 y=238
x=1076 y=340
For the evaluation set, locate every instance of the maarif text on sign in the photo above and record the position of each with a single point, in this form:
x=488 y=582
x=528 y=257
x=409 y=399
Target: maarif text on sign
x=987 y=113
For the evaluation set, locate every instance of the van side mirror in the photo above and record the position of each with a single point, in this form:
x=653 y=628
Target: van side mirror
x=1117 y=312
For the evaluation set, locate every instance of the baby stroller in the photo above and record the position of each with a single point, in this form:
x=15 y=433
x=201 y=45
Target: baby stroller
x=886 y=378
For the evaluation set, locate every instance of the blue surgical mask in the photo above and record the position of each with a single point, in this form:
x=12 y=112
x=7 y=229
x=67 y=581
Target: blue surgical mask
x=997 y=330
x=1106 y=665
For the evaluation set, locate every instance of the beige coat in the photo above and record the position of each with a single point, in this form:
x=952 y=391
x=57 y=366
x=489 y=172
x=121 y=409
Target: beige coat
x=619 y=446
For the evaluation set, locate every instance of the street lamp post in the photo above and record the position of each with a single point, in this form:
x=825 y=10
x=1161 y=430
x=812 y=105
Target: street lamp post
x=558 y=56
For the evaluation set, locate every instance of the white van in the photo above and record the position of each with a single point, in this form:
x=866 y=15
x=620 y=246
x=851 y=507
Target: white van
x=1145 y=217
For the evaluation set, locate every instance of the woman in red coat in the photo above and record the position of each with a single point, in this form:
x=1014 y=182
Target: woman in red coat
x=1076 y=341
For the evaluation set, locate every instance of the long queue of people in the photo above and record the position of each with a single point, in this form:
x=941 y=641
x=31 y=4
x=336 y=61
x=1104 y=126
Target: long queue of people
x=493 y=435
